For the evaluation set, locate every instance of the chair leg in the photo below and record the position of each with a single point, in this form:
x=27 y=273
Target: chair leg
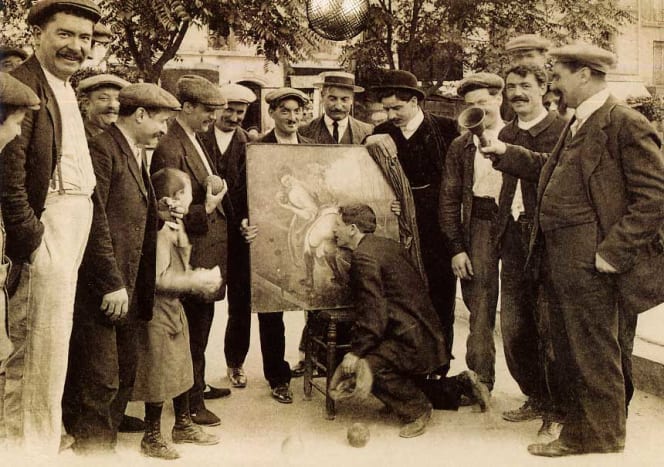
x=308 y=355
x=330 y=368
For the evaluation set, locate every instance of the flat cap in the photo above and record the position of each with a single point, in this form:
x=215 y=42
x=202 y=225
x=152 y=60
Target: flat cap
x=15 y=93
x=480 y=80
x=102 y=33
x=338 y=79
x=148 y=95
x=198 y=90
x=233 y=92
x=6 y=51
x=527 y=42
x=589 y=55
x=103 y=80
x=45 y=8
x=283 y=93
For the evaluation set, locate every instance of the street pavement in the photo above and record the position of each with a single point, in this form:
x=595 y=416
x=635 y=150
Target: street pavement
x=258 y=431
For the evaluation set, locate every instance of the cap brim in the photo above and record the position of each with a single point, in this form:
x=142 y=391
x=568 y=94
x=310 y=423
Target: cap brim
x=338 y=85
x=396 y=86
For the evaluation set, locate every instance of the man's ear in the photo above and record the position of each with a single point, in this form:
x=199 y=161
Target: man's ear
x=36 y=35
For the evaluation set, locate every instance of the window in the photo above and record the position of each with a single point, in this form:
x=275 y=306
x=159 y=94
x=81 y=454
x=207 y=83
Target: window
x=658 y=63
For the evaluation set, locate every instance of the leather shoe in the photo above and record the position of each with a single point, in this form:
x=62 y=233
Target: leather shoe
x=190 y=433
x=131 y=425
x=530 y=410
x=216 y=393
x=203 y=416
x=298 y=370
x=559 y=449
x=417 y=427
x=282 y=394
x=549 y=431
x=476 y=391
x=155 y=446
x=237 y=377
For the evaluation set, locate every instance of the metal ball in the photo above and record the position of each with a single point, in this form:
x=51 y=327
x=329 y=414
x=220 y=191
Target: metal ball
x=337 y=20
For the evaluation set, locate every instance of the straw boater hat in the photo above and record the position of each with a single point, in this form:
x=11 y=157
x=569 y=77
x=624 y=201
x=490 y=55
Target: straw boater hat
x=338 y=79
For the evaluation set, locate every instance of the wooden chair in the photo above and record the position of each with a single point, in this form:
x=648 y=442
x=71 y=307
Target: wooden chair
x=322 y=334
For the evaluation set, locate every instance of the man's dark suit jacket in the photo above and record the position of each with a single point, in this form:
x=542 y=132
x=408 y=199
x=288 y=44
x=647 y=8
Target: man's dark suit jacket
x=623 y=174
x=318 y=132
x=26 y=167
x=131 y=213
x=207 y=233
x=395 y=318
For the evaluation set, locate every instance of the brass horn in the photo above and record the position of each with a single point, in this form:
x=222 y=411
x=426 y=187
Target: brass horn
x=472 y=119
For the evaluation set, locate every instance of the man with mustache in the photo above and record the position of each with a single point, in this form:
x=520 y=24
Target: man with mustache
x=521 y=323
x=226 y=141
x=100 y=383
x=469 y=219
x=51 y=212
x=98 y=98
x=206 y=221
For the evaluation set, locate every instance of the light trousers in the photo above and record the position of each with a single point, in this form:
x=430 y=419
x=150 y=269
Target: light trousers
x=40 y=323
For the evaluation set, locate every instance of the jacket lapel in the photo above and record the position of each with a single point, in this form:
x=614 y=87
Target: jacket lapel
x=192 y=158
x=134 y=169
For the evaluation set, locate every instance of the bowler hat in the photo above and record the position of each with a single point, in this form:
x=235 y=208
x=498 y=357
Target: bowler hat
x=148 y=95
x=6 y=51
x=527 y=42
x=103 y=80
x=15 y=93
x=480 y=80
x=233 y=92
x=399 y=79
x=199 y=90
x=339 y=79
x=282 y=93
x=45 y=8
x=589 y=55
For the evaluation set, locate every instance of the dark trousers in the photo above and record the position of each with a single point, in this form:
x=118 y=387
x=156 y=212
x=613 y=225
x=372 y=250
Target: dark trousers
x=273 y=348
x=519 y=317
x=200 y=315
x=100 y=381
x=238 y=326
x=411 y=395
x=480 y=294
x=584 y=322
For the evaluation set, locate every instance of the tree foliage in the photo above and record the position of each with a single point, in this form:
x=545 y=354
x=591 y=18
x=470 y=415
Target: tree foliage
x=409 y=33
x=148 y=33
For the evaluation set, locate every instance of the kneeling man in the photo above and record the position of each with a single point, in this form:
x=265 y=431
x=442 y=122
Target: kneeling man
x=397 y=332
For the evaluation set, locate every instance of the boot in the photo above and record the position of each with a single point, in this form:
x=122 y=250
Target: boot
x=153 y=444
x=186 y=431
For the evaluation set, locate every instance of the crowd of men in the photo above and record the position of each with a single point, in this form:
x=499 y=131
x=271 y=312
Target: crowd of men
x=569 y=205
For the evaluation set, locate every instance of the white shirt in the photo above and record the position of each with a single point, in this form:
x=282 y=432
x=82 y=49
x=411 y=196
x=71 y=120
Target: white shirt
x=223 y=138
x=487 y=181
x=517 y=203
x=292 y=139
x=201 y=153
x=414 y=123
x=588 y=107
x=78 y=174
x=341 y=124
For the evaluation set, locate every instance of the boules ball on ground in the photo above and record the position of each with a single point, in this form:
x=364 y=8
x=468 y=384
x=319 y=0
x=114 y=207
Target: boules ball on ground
x=358 y=435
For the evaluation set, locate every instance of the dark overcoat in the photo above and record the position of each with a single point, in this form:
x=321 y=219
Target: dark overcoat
x=207 y=232
x=131 y=213
x=395 y=318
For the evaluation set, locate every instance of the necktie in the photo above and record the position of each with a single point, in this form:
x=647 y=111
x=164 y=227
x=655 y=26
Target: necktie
x=335 y=131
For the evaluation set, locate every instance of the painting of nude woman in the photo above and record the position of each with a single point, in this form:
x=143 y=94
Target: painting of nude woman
x=294 y=194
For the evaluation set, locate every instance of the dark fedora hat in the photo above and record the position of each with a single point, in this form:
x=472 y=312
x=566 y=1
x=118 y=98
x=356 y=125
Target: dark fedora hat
x=399 y=79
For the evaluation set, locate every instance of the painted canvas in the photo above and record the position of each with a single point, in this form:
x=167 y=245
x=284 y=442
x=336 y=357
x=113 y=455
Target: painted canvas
x=294 y=194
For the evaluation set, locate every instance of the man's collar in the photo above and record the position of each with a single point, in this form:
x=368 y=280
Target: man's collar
x=187 y=129
x=126 y=135
x=329 y=122
x=531 y=123
x=52 y=79
x=586 y=108
x=415 y=122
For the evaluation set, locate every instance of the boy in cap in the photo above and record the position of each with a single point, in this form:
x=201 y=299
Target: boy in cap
x=226 y=141
x=50 y=204
x=422 y=140
x=98 y=98
x=100 y=383
x=206 y=221
x=285 y=108
x=468 y=217
x=596 y=246
x=15 y=100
